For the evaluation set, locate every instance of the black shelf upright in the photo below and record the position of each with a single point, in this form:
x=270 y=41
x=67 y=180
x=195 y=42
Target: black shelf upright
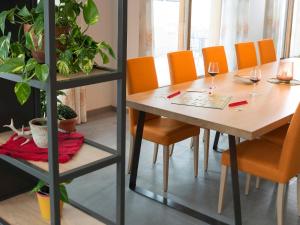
x=117 y=157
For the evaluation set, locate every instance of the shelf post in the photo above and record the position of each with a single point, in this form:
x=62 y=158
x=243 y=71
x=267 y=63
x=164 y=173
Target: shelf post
x=50 y=56
x=121 y=111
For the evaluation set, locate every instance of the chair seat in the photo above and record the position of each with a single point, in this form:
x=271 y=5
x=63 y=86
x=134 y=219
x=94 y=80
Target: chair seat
x=277 y=136
x=165 y=131
x=257 y=157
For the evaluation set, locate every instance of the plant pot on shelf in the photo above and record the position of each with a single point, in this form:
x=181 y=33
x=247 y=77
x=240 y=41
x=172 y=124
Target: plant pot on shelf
x=68 y=125
x=44 y=203
x=39 y=130
x=39 y=53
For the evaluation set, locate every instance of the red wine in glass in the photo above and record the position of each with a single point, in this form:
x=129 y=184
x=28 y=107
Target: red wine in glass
x=255 y=77
x=213 y=70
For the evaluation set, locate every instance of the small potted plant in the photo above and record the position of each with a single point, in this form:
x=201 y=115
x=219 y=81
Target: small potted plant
x=67 y=118
x=42 y=193
x=39 y=131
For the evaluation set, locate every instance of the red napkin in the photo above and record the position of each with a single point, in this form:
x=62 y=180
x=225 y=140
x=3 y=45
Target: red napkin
x=69 y=145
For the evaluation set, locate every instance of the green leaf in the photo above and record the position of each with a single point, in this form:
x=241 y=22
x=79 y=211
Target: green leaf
x=106 y=46
x=38 y=187
x=104 y=57
x=63 y=67
x=23 y=92
x=41 y=71
x=17 y=49
x=11 y=15
x=30 y=65
x=29 y=41
x=12 y=65
x=63 y=193
x=90 y=12
x=4 y=46
x=3 y=16
x=40 y=7
x=25 y=13
x=86 y=65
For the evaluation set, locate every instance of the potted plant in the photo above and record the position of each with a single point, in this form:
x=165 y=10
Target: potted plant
x=42 y=193
x=76 y=51
x=39 y=131
x=67 y=118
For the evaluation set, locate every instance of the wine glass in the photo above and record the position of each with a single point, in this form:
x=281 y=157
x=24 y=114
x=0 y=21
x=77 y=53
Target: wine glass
x=213 y=70
x=255 y=77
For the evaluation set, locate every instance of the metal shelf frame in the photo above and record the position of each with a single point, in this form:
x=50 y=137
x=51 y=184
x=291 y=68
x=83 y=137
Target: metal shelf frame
x=53 y=178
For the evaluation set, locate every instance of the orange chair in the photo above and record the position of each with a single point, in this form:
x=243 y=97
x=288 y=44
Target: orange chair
x=141 y=77
x=267 y=51
x=269 y=161
x=215 y=54
x=246 y=55
x=183 y=69
x=277 y=137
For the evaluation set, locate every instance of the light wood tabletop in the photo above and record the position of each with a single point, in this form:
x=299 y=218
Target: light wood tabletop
x=273 y=106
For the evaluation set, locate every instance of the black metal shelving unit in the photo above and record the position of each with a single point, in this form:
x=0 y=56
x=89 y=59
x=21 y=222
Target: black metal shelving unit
x=116 y=156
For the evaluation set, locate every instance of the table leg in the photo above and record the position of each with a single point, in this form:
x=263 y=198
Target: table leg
x=137 y=149
x=216 y=141
x=235 y=180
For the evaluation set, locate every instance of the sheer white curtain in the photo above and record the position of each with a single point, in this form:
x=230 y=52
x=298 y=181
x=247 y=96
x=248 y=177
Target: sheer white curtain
x=146 y=28
x=234 y=26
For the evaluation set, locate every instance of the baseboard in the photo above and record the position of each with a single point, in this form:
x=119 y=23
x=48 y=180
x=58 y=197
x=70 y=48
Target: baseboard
x=101 y=110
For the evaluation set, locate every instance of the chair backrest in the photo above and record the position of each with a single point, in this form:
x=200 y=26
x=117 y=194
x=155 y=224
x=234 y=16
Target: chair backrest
x=215 y=54
x=141 y=77
x=267 y=51
x=245 y=55
x=289 y=164
x=182 y=67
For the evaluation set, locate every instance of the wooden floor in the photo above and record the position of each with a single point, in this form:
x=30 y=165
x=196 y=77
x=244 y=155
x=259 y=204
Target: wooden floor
x=23 y=210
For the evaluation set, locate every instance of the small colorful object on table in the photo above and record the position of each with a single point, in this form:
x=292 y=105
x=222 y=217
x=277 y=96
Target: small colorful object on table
x=239 y=103
x=173 y=94
x=68 y=145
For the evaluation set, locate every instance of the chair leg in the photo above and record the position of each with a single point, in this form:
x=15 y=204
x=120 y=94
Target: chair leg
x=280 y=201
x=172 y=149
x=298 y=193
x=156 y=147
x=247 y=185
x=166 y=167
x=223 y=179
x=216 y=141
x=257 y=185
x=130 y=154
x=206 y=148
x=196 y=154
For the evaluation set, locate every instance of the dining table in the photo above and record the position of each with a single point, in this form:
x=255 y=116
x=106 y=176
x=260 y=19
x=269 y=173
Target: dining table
x=272 y=107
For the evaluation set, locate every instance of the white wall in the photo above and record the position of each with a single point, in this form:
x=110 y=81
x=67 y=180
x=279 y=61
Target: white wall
x=102 y=95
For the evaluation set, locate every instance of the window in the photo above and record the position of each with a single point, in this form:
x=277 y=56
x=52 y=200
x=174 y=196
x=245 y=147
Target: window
x=295 y=38
x=166 y=27
x=200 y=30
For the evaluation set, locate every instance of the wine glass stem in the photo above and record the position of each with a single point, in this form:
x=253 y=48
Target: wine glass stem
x=254 y=88
x=213 y=82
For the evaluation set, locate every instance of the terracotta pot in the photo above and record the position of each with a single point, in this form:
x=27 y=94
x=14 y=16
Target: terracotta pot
x=39 y=54
x=44 y=204
x=68 y=125
x=39 y=130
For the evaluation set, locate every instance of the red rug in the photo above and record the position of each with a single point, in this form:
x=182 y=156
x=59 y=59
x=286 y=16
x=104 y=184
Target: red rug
x=69 y=145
